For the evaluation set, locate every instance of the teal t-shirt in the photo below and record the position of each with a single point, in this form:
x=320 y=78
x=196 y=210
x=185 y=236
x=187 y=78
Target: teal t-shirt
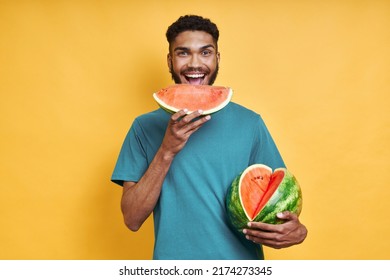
x=189 y=219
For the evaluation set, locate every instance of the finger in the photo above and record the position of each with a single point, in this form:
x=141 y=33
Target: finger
x=271 y=239
x=262 y=226
x=258 y=235
x=266 y=239
x=195 y=125
x=191 y=116
x=271 y=243
x=286 y=215
x=262 y=230
x=178 y=115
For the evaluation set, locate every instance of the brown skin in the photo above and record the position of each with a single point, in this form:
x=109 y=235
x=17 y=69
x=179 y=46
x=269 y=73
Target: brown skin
x=194 y=58
x=291 y=232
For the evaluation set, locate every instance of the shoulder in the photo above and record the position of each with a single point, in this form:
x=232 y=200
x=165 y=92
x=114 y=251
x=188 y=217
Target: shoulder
x=155 y=116
x=239 y=116
x=241 y=113
x=237 y=108
x=158 y=113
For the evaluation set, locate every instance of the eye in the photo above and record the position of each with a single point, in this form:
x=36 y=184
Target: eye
x=182 y=53
x=206 y=52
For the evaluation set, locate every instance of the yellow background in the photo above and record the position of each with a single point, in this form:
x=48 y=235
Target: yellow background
x=74 y=75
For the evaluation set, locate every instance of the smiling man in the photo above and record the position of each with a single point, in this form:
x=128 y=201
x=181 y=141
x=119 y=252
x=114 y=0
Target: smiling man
x=179 y=166
x=193 y=57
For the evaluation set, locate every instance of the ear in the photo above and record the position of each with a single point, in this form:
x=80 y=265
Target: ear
x=169 y=61
x=218 y=57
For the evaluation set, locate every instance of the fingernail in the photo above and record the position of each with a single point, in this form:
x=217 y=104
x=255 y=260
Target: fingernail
x=244 y=231
x=200 y=111
x=249 y=224
x=207 y=117
x=185 y=110
x=280 y=215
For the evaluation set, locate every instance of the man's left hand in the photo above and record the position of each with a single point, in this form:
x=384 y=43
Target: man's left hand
x=290 y=233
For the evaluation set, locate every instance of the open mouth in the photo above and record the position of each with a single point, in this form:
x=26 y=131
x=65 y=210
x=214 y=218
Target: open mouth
x=195 y=79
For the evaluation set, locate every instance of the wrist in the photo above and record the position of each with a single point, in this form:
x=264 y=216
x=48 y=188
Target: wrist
x=165 y=154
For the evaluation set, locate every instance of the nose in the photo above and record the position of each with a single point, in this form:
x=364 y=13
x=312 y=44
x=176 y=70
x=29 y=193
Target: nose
x=195 y=61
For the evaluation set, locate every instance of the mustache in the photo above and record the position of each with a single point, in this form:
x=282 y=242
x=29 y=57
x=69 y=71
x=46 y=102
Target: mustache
x=196 y=69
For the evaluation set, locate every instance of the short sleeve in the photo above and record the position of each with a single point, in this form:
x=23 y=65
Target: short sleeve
x=132 y=161
x=264 y=149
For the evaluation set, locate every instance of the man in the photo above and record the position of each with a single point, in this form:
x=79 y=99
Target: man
x=179 y=166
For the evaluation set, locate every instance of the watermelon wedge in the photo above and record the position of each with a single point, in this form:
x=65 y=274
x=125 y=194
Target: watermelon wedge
x=258 y=194
x=209 y=99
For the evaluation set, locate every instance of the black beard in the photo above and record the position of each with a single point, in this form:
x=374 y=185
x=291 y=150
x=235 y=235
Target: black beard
x=177 y=80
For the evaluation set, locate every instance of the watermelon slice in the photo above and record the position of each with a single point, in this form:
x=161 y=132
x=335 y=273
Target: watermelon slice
x=209 y=99
x=258 y=194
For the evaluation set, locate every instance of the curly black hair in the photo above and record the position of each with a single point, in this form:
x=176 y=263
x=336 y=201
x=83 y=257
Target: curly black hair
x=192 y=23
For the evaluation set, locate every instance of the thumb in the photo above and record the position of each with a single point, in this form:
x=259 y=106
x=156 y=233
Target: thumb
x=286 y=215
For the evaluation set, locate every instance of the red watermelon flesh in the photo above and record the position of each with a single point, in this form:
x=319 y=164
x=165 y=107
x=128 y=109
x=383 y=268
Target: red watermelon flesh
x=209 y=99
x=257 y=187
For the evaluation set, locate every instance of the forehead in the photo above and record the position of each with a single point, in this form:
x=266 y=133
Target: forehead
x=193 y=40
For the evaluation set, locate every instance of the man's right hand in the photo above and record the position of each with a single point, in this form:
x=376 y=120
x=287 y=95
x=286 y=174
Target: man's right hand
x=180 y=128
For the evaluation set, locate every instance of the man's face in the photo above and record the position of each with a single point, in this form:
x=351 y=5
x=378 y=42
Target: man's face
x=193 y=58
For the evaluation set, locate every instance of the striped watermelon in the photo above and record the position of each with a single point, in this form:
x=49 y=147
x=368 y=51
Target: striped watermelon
x=209 y=99
x=258 y=194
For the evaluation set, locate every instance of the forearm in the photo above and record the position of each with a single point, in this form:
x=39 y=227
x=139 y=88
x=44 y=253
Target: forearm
x=139 y=199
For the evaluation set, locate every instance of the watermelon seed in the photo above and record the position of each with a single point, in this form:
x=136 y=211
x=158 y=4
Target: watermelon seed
x=257 y=178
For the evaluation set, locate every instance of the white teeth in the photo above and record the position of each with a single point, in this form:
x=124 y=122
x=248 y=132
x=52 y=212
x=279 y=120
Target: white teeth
x=194 y=76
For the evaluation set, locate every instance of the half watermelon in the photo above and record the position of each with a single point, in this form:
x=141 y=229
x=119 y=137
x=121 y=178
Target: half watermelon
x=258 y=194
x=209 y=99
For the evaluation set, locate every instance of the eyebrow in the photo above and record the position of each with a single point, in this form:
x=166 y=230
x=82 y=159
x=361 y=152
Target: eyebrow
x=187 y=49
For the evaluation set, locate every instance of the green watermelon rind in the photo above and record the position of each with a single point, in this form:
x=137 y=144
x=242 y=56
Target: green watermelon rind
x=288 y=197
x=235 y=211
